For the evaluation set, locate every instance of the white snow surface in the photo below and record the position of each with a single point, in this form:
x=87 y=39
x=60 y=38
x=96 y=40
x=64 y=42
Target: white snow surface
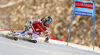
x=58 y=47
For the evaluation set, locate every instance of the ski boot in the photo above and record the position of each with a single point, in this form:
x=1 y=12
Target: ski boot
x=47 y=40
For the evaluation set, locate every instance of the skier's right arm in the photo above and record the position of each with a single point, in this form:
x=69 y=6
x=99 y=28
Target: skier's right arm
x=34 y=21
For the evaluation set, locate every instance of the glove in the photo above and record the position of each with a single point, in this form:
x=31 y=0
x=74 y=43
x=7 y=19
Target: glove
x=30 y=22
x=26 y=27
x=46 y=39
x=47 y=35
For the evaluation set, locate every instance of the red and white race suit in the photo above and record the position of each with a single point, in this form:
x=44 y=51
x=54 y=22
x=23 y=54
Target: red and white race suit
x=37 y=26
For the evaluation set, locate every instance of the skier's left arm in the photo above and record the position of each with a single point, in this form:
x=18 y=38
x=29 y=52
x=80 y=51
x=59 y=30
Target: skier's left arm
x=47 y=35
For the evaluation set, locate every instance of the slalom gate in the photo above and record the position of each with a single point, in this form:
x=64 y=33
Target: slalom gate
x=85 y=8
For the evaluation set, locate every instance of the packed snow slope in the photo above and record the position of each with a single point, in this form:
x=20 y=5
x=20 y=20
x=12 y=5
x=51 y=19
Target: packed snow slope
x=20 y=47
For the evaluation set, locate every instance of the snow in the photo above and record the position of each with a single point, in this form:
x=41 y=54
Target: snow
x=54 y=47
x=74 y=45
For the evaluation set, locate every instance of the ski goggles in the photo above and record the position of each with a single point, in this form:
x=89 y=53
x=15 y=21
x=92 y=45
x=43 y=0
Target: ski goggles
x=48 y=22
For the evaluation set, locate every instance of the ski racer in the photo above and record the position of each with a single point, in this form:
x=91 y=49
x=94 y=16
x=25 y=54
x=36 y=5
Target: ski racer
x=36 y=26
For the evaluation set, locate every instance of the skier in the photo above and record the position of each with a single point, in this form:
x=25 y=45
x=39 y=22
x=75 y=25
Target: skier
x=36 y=26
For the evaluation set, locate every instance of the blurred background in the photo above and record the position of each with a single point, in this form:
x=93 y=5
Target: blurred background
x=15 y=13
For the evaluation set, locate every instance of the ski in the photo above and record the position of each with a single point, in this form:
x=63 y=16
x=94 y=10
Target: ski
x=12 y=36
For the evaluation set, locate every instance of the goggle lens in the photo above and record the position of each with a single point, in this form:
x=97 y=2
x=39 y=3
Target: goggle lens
x=48 y=22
